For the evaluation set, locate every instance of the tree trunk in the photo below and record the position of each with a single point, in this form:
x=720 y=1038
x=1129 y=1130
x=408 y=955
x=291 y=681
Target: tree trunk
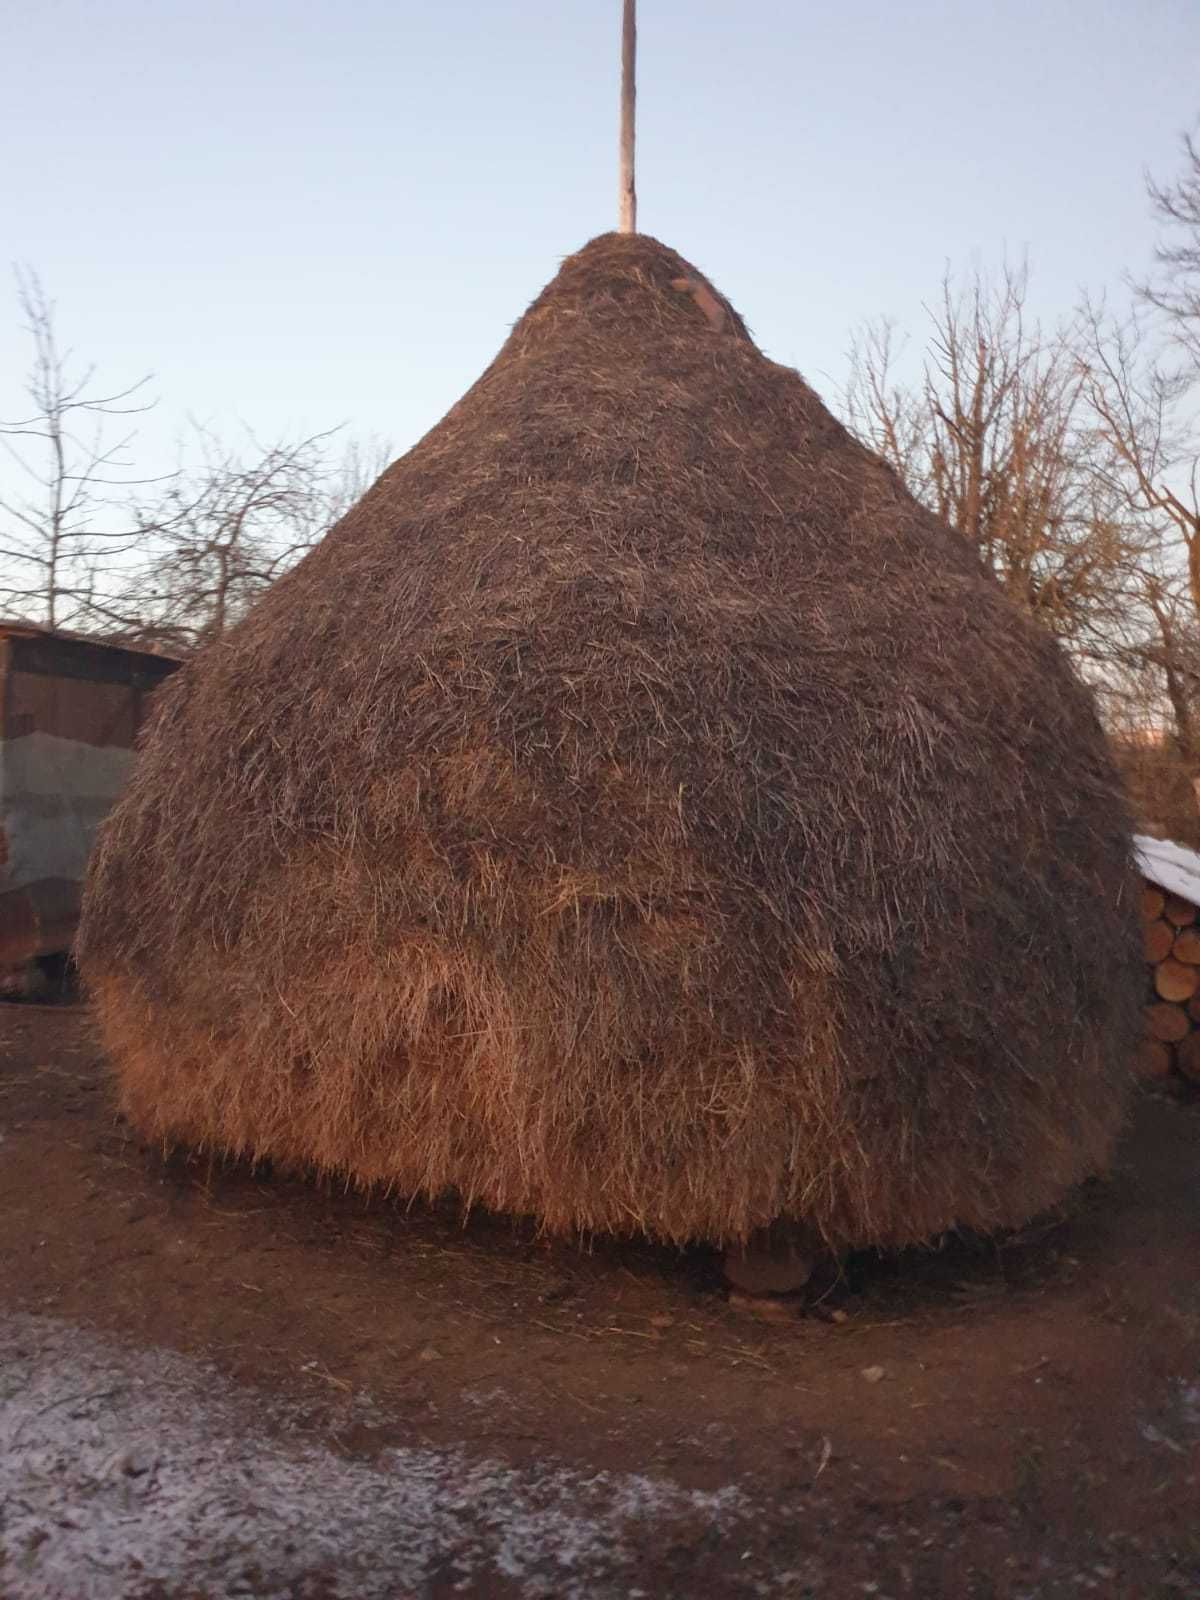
x=1167 y=1023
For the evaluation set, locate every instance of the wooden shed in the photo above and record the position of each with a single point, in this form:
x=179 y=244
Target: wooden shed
x=70 y=711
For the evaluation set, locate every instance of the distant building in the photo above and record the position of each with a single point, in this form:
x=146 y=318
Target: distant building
x=70 y=711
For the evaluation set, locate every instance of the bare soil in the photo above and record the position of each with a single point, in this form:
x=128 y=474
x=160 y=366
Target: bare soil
x=1012 y=1419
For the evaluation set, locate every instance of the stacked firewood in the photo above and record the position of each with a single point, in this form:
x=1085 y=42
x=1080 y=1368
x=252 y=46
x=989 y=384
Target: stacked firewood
x=1171 y=938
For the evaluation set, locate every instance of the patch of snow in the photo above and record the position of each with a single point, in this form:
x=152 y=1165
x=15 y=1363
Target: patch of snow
x=1172 y=867
x=126 y=1472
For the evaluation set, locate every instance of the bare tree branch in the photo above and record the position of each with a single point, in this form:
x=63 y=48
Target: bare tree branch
x=994 y=436
x=230 y=524
x=68 y=512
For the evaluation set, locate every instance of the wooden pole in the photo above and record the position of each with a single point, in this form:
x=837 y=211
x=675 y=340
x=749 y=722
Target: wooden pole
x=627 y=197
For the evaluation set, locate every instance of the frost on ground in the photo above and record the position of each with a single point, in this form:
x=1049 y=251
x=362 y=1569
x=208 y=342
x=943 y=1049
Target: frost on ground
x=137 y=1473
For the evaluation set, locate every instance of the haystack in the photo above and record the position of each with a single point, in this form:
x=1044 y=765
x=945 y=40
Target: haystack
x=637 y=813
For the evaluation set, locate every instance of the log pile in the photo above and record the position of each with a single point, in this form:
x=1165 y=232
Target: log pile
x=1171 y=939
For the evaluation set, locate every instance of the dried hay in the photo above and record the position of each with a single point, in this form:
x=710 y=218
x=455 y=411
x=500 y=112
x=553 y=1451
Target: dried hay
x=637 y=813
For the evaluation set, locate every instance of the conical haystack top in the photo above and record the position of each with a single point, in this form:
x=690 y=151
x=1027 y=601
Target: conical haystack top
x=627 y=285
x=637 y=812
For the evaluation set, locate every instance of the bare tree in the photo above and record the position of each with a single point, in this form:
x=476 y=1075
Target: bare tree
x=1141 y=378
x=230 y=523
x=1146 y=444
x=1174 y=287
x=350 y=476
x=85 y=543
x=233 y=520
x=1149 y=698
x=1173 y=650
x=1148 y=677
x=65 y=530
x=992 y=435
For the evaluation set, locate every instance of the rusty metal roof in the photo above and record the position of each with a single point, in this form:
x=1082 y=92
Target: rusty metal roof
x=18 y=628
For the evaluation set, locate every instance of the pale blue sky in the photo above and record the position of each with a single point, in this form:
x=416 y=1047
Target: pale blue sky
x=299 y=213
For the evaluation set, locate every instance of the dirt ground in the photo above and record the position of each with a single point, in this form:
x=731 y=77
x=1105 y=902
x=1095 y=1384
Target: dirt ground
x=217 y=1382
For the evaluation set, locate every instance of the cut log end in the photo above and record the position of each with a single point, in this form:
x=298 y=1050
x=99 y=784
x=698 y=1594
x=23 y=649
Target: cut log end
x=1155 y=1061
x=1179 y=911
x=1175 y=981
x=1153 y=901
x=1167 y=1023
x=1187 y=1056
x=1158 y=940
